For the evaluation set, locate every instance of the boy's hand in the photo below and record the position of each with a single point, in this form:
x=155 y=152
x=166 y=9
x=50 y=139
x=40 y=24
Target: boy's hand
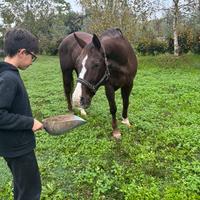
x=37 y=125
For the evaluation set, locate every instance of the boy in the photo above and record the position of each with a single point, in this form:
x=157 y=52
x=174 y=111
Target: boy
x=17 y=126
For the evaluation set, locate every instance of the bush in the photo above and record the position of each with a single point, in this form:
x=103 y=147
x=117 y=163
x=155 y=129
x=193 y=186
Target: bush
x=170 y=47
x=183 y=41
x=141 y=48
x=52 y=49
x=151 y=48
x=196 y=45
x=184 y=44
x=196 y=48
x=49 y=46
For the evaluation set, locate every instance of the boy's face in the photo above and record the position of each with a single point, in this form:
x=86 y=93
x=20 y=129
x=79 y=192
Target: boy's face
x=25 y=58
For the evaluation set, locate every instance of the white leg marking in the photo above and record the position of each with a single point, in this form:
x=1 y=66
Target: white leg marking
x=82 y=112
x=126 y=121
x=76 y=96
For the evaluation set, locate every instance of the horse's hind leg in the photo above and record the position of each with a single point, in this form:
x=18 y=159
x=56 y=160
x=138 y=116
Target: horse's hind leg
x=68 y=86
x=125 y=92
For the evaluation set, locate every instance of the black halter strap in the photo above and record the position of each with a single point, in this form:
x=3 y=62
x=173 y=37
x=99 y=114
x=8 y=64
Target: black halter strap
x=105 y=77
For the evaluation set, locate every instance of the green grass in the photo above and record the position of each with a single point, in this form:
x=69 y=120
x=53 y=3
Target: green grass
x=157 y=158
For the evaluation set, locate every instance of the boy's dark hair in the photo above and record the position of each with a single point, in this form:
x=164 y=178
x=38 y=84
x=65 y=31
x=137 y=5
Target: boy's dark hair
x=17 y=38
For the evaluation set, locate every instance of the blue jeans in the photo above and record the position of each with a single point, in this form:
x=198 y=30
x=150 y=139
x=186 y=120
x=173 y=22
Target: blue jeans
x=26 y=176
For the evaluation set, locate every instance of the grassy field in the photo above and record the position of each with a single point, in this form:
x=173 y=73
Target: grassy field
x=157 y=157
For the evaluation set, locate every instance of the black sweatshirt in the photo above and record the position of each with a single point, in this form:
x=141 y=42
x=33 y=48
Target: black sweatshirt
x=16 y=121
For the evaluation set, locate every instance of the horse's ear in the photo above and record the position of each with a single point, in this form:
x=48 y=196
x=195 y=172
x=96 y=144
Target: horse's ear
x=96 y=41
x=81 y=42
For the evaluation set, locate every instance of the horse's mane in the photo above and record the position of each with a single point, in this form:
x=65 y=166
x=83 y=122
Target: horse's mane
x=112 y=32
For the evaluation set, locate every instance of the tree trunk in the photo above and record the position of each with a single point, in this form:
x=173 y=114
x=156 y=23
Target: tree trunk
x=199 y=6
x=175 y=23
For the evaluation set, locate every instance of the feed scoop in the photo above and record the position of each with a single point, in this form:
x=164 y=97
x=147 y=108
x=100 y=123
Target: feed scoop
x=61 y=124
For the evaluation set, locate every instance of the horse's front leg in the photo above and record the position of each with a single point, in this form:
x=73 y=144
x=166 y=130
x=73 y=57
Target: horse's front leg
x=68 y=84
x=110 y=94
x=125 y=92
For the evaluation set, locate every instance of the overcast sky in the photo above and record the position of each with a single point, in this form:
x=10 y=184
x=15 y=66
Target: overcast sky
x=75 y=7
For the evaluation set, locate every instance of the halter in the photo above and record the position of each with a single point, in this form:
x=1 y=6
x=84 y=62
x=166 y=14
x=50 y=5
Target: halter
x=105 y=77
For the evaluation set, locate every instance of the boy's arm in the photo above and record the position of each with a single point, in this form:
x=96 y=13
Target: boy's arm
x=11 y=121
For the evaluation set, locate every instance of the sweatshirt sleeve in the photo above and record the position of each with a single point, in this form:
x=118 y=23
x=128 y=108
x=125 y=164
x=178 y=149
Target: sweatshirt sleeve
x=11 y=121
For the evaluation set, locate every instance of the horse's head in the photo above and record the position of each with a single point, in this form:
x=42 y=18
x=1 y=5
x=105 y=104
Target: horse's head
x=92 y=71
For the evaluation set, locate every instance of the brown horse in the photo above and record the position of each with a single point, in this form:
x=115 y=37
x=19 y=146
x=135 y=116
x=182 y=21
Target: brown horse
x=108 y=60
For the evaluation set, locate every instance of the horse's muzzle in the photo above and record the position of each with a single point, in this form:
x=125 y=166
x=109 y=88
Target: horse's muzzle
x=85 y=102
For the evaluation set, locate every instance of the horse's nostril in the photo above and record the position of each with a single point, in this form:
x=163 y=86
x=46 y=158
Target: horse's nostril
x=82 y=100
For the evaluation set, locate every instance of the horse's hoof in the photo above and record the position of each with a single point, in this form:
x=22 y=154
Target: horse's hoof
x=116 y=134
x=126 y=122
x=83 y=112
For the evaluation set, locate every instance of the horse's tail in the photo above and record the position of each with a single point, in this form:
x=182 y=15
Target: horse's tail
x=62 y=51
x=119 y=30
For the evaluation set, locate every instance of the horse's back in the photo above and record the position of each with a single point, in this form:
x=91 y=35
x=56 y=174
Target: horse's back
x=119 y=49
x=112 y=33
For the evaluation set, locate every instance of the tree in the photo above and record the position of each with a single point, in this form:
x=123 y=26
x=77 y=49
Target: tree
x=175 y=23
x=73 y=22
x=17 y=12
x=180 y=10
x=43 y=18
x=102 y=14
x=131 y=16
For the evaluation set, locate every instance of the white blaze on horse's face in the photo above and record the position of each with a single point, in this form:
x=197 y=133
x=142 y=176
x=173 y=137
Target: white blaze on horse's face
x=76 y=97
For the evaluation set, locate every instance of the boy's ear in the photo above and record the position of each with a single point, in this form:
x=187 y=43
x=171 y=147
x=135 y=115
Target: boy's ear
x=20 y=54
x=21 y=51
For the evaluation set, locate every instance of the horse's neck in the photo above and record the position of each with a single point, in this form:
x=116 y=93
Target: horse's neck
x=116 y=55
